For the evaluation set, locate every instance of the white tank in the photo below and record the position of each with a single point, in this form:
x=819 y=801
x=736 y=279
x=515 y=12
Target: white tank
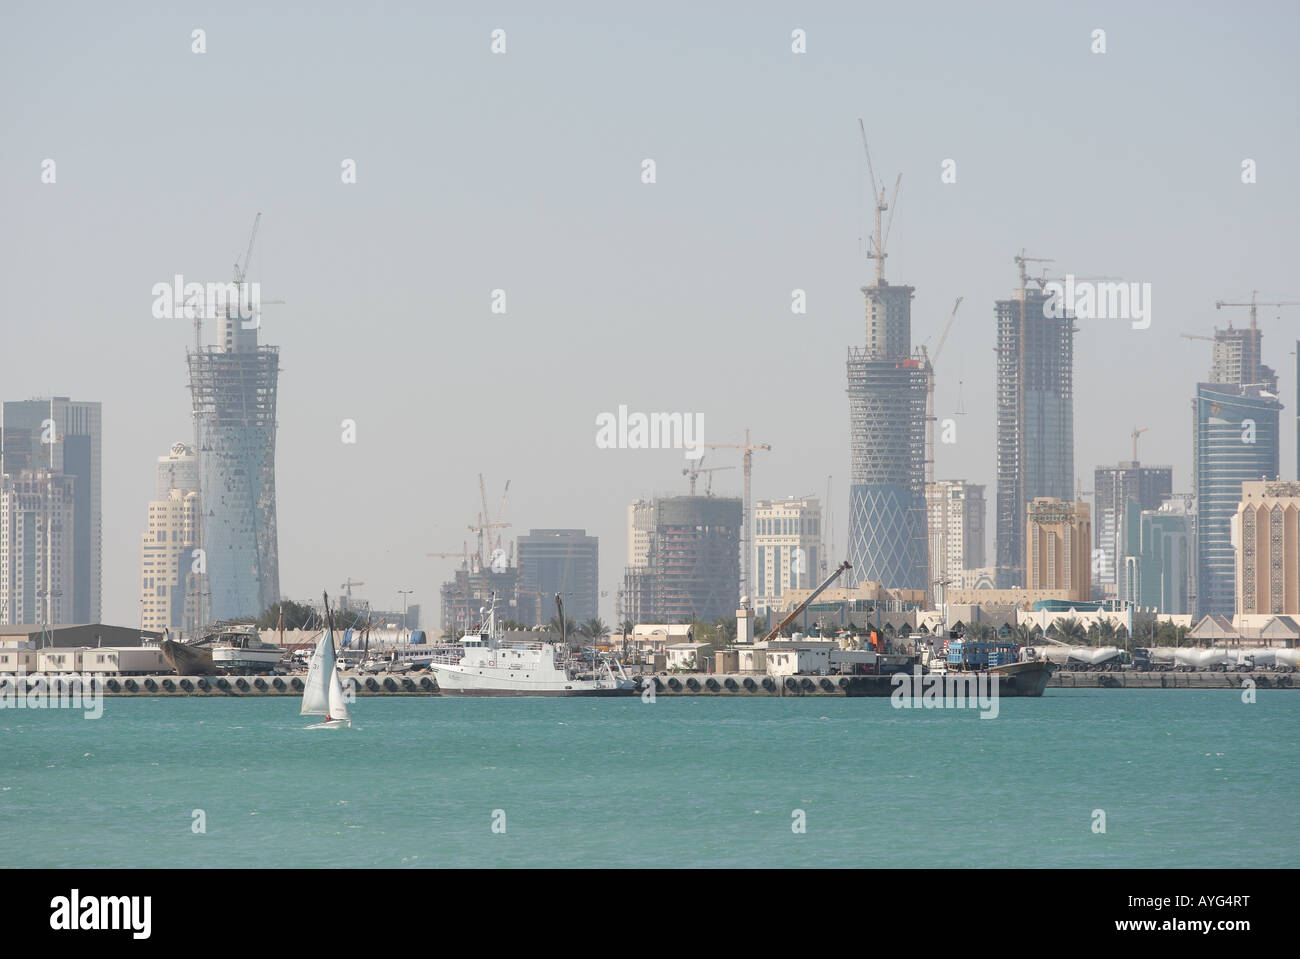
x=1200 y=658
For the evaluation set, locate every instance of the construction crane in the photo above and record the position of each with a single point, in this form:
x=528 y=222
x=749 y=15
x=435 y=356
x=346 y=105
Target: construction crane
x=1021 y=260
x=790 y=617
x=1137 y=431
x=1196 y=336
x=1250 y=358
x=746 y=531
x=929 y=393
x=879 y=240
x=347 y=587
x=693 y=471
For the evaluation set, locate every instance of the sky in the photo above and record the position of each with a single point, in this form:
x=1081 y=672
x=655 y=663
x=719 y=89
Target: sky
x=522 y=171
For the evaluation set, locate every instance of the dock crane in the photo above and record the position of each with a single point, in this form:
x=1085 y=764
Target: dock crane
x=790 y=617
x=746 y=529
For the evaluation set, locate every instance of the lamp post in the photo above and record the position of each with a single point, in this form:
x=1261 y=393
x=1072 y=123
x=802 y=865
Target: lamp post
x=404 y=593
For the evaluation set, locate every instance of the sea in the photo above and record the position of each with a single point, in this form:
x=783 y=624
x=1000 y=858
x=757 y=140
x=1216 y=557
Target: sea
x=1077 y=778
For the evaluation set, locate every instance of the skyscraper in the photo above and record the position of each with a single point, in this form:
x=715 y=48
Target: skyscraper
x=564 y=561
x=1235 y=441
x=1114 y=486
x=233 y=385
x=168 y=594
x=179 y=469
x=37 y=547
x=63 y=436
x=887 y=390
x=1157 y=562
x=1035 y=416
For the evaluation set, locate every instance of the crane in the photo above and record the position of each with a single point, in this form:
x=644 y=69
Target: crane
x=1196 y=336
x=746 y=531
x=1251 y=359
x=694 y=471
x=807 y=602
x=347 y=587
x=929 y=393
x=1137 y=431
x=879 y=240
x=1021 y=260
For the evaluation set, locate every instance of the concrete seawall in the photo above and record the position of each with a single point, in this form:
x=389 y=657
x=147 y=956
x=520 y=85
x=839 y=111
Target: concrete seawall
x=1202 y=679
x=255 y=686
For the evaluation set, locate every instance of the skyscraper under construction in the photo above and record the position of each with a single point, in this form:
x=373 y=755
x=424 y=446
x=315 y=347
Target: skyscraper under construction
x=233 y=386
x=1035 y=409
x=887 y=390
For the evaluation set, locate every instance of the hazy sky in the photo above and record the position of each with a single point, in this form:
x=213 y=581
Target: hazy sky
x=522 y=171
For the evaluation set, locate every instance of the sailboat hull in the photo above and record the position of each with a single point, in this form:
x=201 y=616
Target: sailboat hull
x=332 y=724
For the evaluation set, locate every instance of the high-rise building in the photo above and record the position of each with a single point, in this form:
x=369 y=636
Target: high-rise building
x=233 y=385
x=1035 y=416
x=1157 y=560
x=956 y=526
x=1237 y=356
x=168 y=585
x=1113 y=487
x=787 y=548
x=887 y=388
x=691 y=560
x=179 y=469
x=1267 y=527
x=37 y=547
x=564 y=561
x=1235 y=441
x=64 y=436
x=472 y=590
x=1058 y=547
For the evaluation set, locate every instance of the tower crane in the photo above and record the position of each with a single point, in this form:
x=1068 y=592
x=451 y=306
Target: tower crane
x=746 y=531
x=929 y=393
x=1251 y=358
x=693 y=471
x=1137 y=431
x=879 y=239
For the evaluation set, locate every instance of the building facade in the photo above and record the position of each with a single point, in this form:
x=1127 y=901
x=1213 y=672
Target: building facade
x=564 y=561
x=37 y=547
x=168 y=584
x=1113 y=487
x=955 y=521
x=1235 y=441
x=179 y=469
x=64 y=436
x=1058 y=548
x=1035 y=418
x=1267 y=528
x=233 y=386
x=787 y=547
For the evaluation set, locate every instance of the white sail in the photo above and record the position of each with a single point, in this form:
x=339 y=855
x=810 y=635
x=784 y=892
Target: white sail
x=316 y=691
x=338 y=705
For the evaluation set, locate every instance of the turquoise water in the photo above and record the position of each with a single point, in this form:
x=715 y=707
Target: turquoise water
x=1185 y=778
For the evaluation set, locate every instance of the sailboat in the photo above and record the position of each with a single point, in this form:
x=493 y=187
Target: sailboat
x=322 y=694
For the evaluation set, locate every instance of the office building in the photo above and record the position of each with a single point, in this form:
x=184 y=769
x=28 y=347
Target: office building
x=1113 y=487
x=1157 y=560
x=691 y=559
x=787 y=548
x=1058 y=548
x=37 y=547
x=955 y=523
x=563 y=561
x=64 y=436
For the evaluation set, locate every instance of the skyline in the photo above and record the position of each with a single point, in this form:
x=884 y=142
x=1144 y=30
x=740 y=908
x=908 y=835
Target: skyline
x=621 y=293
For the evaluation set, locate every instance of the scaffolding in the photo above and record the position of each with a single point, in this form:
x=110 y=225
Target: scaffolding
x=693 y=564
x=234 y=403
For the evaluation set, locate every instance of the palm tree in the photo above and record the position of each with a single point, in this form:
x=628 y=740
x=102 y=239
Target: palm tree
x=595 y=628
x=1106 y=631
x=1069 y=630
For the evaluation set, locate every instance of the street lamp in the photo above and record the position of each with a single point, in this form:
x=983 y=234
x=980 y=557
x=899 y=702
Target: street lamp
x=405 y=593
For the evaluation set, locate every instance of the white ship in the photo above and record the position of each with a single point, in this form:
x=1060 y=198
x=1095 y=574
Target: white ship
x=492 y=666
x=240 y=649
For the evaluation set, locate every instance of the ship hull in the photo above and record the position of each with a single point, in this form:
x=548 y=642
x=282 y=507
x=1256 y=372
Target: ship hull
x=453 y=682
x=188 y=660
x=1015 y=680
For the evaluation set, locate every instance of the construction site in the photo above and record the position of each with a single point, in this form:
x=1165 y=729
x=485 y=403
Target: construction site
x=233 y=387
